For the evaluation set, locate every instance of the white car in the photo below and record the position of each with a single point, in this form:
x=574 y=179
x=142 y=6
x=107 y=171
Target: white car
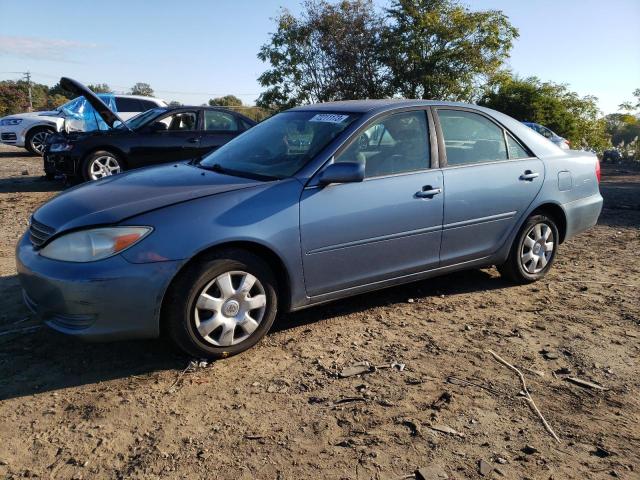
x=30 y=130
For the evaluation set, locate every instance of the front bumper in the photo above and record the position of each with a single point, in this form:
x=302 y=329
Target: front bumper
x=60 y=163
x=12 y=135
x=109 y=299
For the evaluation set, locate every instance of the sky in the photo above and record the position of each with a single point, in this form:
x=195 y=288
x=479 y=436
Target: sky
x=194 y=50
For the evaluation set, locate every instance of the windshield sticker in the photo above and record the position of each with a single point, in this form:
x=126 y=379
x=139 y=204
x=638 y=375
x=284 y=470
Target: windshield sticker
x=329 y=118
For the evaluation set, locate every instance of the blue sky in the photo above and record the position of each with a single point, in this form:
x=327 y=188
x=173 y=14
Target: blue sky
x=193 y=50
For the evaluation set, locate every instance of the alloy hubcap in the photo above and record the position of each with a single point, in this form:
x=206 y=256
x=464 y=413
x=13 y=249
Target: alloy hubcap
x=38 y=141
x=230 y=308
x=537 y=248
x=103 y=166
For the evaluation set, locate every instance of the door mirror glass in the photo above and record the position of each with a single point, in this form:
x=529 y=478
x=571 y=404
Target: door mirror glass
x=344 y=172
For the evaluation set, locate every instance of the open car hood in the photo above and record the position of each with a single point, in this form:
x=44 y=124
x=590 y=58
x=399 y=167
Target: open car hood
x=108 y=115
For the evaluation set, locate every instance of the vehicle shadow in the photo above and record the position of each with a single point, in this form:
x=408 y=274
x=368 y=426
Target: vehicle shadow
x=14 y=154
x=35 y=359
x=26 y=184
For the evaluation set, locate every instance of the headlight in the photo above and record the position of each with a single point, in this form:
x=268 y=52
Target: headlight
x=94 y=244
x=11 y=121
x=60 y=147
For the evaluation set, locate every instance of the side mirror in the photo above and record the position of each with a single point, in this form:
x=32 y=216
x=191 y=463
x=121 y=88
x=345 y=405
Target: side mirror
x=342 y=172
x=157 y=127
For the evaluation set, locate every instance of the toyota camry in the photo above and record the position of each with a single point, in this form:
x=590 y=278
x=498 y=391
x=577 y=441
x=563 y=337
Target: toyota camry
x=317 y=203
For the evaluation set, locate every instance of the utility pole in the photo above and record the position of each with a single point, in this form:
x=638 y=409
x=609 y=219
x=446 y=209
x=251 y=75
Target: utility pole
x=27 y=76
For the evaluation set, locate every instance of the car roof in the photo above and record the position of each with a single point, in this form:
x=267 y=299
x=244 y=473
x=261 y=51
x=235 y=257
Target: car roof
x=136 y=97
x=208 y=107
x=364 y=106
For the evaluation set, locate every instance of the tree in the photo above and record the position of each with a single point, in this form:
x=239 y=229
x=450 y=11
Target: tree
x=143 y=89
x=439 y=49
x=103 y=88
x=226 y=101
x=175 y=103
x=330 y=52
x=550 y=104
x=631 y=106
x=58 y=90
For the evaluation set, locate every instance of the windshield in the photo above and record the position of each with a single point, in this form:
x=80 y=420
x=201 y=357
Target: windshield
x=142 y=118
x=279 y=146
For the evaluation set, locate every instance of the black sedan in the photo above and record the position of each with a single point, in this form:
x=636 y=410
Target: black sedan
x=156 y=136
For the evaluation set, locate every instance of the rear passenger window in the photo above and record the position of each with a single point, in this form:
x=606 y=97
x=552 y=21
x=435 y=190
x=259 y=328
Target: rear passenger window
x=220 y=121
x=124 y=104
x=515 y=149
x=471 y=138
x=398 y=143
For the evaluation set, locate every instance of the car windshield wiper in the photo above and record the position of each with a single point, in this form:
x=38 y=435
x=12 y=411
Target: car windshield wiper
x=216 y=167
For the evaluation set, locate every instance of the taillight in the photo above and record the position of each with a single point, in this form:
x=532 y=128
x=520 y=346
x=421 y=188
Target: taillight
x=598 y=169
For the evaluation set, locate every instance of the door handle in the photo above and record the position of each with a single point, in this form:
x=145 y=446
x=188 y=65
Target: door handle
x=529 y=175
x=193 y=140
x=428 y=192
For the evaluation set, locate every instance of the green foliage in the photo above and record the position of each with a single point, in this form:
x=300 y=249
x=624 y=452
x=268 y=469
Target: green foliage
x=226 y=101
x=102 y=88
x=550 y=104
x=439 y=49
x=143 y=89
x=330 y=52
x=58 y=90
x=624 y=128
x=349 y=50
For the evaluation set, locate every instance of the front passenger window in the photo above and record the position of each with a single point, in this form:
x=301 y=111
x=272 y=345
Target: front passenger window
x=395 y=144
x=183 y=121
x=471 y=138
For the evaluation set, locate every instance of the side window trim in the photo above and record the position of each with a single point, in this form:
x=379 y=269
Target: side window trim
x=505 y=132
x=378 y=118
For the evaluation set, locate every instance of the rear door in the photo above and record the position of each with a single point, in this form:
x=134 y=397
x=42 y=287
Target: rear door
x=178 y=140
x=387 y=226
x=490 y=179
x=218 y=128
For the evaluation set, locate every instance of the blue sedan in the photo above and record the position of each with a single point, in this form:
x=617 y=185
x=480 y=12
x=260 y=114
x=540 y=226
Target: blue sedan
x=314 y=204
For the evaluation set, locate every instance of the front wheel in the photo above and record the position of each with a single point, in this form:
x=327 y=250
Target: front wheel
x=533 y=250
x=36 y=139
x=221 y=305
x=101 y=164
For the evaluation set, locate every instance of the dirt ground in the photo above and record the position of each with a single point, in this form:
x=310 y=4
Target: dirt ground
x=281 y=411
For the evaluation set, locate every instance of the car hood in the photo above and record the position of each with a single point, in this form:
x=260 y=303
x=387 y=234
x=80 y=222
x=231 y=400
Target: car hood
x=116 y=198
x=52 y=113
x=108 y=115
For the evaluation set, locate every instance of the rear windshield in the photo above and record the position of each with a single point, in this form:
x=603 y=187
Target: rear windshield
x=281 y=145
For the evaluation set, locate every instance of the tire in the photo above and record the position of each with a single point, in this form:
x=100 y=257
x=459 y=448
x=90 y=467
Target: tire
x=531 y=256
x=35 y=139
x=101 y=163
x=187 y=316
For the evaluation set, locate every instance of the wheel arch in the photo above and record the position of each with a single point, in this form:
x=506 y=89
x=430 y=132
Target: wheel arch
x=107 y=148
x=556 y=212
x=264 y=252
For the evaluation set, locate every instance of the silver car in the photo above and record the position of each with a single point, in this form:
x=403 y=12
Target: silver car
x=549 y=134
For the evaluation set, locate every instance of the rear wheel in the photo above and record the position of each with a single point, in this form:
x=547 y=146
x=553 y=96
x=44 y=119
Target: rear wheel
x=101 y=164
x=533 y=250
x=36 y=139
x=221 y=305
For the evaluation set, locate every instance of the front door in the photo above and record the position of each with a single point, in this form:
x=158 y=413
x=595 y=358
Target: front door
x=387 y=226
x=177 y=140
x=490 y=180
